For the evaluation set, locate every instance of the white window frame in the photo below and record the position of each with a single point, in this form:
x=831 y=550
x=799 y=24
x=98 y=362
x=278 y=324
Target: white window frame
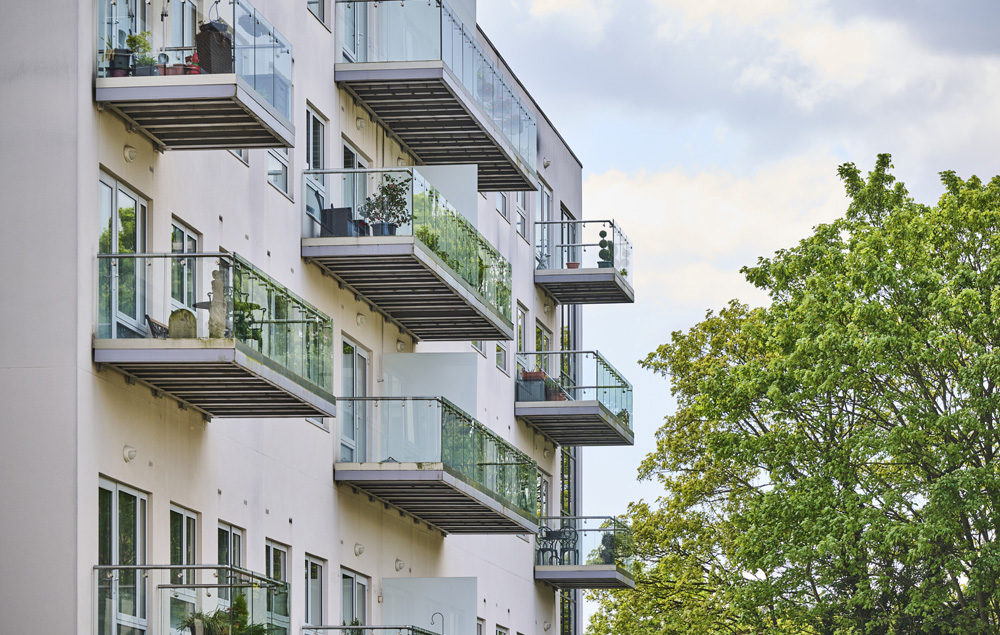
x=321 y=10
x=315 y=159
x=281 y=621
x=187 y=265
x=234 y=556
x=522 y=336
x=503 y=205
x=354 y=415
x=314 y=591
x=478 y=345
x=521 y=209
x=502 y=353
x=284 y=160
x=139 y=618
x=242 y=154
x=359 y=588
x=543 y=233
x=117 y=189
x=358 y=51
x=183 y=597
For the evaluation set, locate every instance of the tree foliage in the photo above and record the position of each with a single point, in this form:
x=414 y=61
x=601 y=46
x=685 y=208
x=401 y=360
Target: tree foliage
x=831 y=467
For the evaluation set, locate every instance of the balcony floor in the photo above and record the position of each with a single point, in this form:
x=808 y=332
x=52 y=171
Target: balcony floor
x=587 y=576
x=435 y=495
x=575 y=423
x=196 y=112
x=411 y=285
x=219 y=377
x=430 y=111
x=585 y=286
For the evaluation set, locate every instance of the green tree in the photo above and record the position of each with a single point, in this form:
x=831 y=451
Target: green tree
x=831 y=466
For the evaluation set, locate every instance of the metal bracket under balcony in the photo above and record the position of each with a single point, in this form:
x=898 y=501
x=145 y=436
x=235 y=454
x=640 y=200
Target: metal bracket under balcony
x=585 y=286
x=196 y=112
x=575 y=423
x=220 y=377
x=412 y=286
x=430 y=111
x=435 y=495
x=585 y=576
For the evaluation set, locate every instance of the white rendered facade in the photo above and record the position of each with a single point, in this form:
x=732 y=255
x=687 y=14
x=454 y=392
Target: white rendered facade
x=82 y=436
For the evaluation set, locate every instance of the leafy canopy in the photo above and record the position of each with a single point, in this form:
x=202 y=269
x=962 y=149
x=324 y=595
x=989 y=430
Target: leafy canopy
x=831 y=467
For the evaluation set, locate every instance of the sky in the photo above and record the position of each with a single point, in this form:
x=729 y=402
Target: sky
x=711 y=131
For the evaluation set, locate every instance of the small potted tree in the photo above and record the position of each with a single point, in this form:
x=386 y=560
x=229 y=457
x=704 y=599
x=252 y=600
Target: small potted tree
x=607 y=252
x=386 y=209
x=138 y=44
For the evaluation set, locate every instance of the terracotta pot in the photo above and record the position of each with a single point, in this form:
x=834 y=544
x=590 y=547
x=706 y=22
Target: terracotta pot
x=532 y=375
x=572 y=265
x=175 y=69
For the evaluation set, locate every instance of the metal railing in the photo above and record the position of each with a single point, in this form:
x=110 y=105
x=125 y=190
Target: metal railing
x=434 y=430
x=213 y=295
x=171 y=599
x=233 y=37
x=583 y=244
x=402 y=202
x=574 y=376
x=372 y=31
x=584 y=540
x=365 y=629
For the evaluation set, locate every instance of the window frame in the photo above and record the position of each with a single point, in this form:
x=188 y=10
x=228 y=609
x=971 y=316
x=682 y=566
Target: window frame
x=284 y=160
x=316 y=183
x=321 y=12
x=235 y=539
x=521 y=209
x=503 y=356
x=140 y=619
x=356 y=411
x=190 y=265
x=357 y=581
x=281 y=621
x=117 y=189
x=310 y=562
x=503 y=205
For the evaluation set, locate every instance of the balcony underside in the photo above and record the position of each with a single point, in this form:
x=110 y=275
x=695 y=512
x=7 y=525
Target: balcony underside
x=432 y=493
x=414 y=287
x=424 y=105
x=587 y=576
x=575 y=423
x=220 y=377
x=585 y=286
x=196 y=112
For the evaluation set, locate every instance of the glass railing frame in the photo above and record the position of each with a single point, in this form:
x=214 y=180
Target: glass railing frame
x=473 y=72
x=622 y=551
x=239 y=324
x=245 y=54
x=495 y=289
x=561 y=255
x=528 y=465
x=565 y=384
x=366 y=629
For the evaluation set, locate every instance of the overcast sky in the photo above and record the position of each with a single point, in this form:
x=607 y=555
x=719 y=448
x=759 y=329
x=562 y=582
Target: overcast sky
x=712 y=130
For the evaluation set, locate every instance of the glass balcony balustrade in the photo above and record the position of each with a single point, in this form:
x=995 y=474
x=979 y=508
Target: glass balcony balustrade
x=173 y=599
x=365 y=629
x=586 y=400
x=406 y=34
x=585 y=552
x=402 y=206
x=584 y=262
x=172 y=62
x=423 y=431
x=195 y=301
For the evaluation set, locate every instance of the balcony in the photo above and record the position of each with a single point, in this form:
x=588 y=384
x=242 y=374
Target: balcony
x=584 y=262
x=584 y=552
x=172 y=599
x=424 y=75
x=409 y=251
x=215 y=333
x=227 y=86
x=574 y=397
x=365 y=629
x=435 y=462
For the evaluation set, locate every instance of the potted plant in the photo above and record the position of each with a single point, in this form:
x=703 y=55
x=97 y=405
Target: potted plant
x=145 y=64
x=119 y=59
x=607 y=252
x=553 y=391
x=386 y=209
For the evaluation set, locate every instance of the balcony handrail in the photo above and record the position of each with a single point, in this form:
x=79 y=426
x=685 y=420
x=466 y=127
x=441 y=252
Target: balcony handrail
x=183 y=256
x=189 y=567
x=614 y=518
x=371 y=627
x=594 y=352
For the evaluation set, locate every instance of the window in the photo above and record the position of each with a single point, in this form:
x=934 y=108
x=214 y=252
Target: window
x=355 y=189
x=318 y=9
x=502 y=204
x=353 y=598
x=183 y=24
x=480 y=626
x=567 y=613
x=501 y=630
x=502 y=356
x=353 y=415
x=355 y=28
x=231 y=555
x=121 y=541
x=183 y=271
x=544 y=484
x=315 y=160
x=276 y=567
x=543 y=342
x=522 y=320
x=183 y=550
x=570 y=249
x=543 y=231
x=521 y=205
x=478 y=345
x=242 y=154
x=314 y=591
x=277 y=168
x=122 y=281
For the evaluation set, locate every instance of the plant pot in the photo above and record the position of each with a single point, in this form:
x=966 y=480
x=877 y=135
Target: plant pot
x=175 y=69
x=572 y=265
x=532 y=375
x=215 y=47
x=146 y=70
x=383 y=229
x=119 y=72
x=121 y=60
x=605 y=264
x=161 y=69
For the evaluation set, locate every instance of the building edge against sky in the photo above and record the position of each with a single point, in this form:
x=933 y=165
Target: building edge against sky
x=276 y=357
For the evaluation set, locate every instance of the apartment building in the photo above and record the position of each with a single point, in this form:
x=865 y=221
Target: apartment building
x=293 y=326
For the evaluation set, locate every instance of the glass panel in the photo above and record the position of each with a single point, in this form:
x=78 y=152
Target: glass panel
x=595 y=244
x=128 y=545
x=347 y=600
